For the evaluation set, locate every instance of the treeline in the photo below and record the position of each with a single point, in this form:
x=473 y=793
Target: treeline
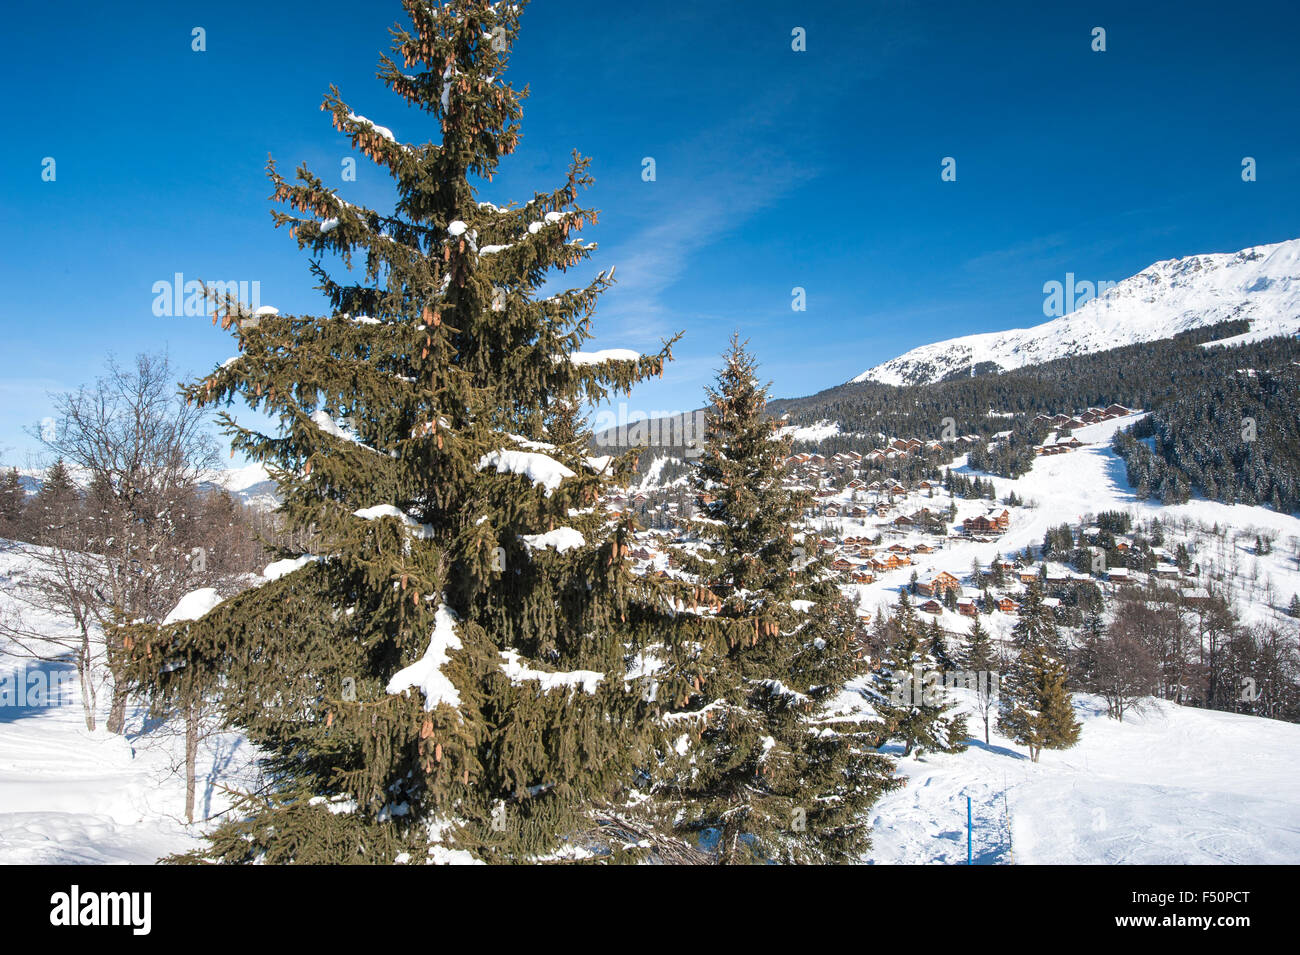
x=1235 y=438
x=1155 y=644
x=1149 y=376
x=125 y=522
x=61 y=514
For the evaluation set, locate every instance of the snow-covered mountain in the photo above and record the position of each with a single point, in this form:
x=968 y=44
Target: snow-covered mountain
x=1261 y=284
x=250 y=484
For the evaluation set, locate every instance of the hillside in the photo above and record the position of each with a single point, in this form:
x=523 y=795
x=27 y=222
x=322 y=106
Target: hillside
x=1170 y=785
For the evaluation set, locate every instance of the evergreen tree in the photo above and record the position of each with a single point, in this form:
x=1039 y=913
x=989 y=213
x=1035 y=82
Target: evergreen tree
x=913 y=699
x=981 y=660
x=13 y=499
x=1035 y=708
x=764 y=755
x=943 y=658
x=55 y=504
x=448 y=672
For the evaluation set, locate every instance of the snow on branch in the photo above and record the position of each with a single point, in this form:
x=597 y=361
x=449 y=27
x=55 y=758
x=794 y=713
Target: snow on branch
x=542 y=470
x=194 y=605
x=562 y=539
x=381 y=130
x=331 y=427
x=426 y=673
x=604 y=355
x=279 y=568
x=518 y=672
x=423 y=531
x=528 y=445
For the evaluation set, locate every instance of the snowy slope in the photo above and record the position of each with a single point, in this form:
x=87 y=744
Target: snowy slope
x=1260 y=283
x=250 y=484
x=1060 y=489
x=1170 y=785
x=69 y=795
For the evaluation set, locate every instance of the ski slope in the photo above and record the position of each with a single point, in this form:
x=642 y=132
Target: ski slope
x=1061 y=489
x=1171 y=785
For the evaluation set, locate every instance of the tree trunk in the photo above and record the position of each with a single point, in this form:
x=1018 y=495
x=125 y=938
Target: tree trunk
x=191 y=756
x=87 y=685
x=117 y=712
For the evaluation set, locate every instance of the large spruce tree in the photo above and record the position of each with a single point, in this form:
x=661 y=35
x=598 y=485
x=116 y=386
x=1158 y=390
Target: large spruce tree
x=445 y=677
x=767 y=753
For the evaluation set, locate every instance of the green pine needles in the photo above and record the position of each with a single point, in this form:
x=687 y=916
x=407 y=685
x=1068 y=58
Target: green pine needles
x=447 y=676
x=768 y=750
x=1035 y=706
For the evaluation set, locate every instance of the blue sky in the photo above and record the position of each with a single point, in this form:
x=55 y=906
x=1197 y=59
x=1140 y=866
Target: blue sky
x=775 y=169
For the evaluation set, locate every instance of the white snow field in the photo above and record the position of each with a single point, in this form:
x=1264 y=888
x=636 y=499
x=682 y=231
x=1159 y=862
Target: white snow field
x=1168 y=786
x=69 y=795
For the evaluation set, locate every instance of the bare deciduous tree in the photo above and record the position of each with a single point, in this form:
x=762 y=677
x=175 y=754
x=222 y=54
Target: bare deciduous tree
x=1121 y=664
x=140 y=535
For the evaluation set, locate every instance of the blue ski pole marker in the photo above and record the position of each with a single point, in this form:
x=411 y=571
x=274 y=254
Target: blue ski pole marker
x=968 y=832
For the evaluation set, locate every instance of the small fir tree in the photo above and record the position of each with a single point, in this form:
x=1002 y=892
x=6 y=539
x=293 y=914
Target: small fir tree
x=767 y=754
x=912 y=697
x=981 y=660
x=1035 y=706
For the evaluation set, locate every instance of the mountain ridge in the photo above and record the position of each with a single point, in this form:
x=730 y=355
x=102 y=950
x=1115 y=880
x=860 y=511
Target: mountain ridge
x=1260 y=283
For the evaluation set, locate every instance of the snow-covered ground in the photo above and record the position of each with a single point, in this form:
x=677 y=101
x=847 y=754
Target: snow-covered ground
x=1170 y=785
x=70 y=795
